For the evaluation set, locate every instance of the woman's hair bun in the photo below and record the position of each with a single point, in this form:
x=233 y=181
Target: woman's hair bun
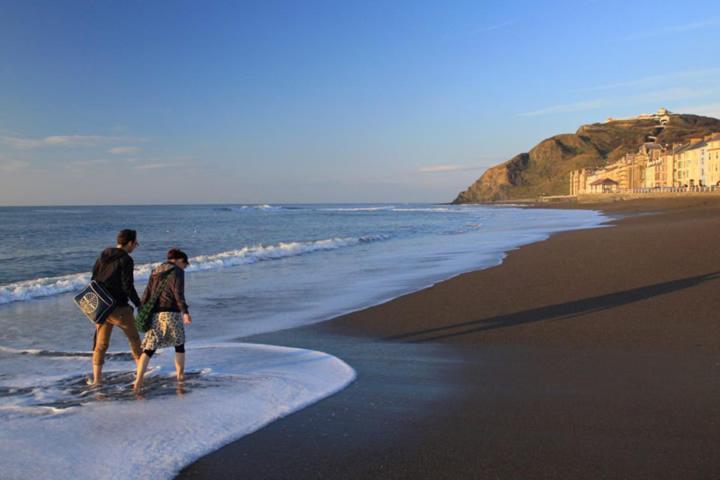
x=177 y=254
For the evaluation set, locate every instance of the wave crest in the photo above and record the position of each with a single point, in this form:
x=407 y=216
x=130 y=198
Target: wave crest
x=392 y=208
x=49 y=286
x=241 y=208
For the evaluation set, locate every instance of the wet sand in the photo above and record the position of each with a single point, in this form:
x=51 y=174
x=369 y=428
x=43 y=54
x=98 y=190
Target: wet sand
x=594 y=354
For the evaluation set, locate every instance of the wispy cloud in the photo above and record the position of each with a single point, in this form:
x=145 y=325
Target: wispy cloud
x=124 y=150
x=671 y=29
x=706 y=109
x=156 y=163
x=90 y=163
x=671 y=95
x=708 y=73
x=567 y=108
x=498 y=26
x=660 y=97
x=8 y=165
x=154 y=166
x=23 y=143
x=450 y=168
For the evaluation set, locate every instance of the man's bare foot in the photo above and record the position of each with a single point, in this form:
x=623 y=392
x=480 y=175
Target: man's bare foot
x=180 y=377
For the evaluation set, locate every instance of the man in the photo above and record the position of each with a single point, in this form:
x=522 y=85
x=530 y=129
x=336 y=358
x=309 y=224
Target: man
x=114 y=269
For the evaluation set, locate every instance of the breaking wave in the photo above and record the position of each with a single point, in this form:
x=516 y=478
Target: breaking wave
x=428 y=210
x=357 y=209
x=48 y=286
x=393 y=208
x=240 y=208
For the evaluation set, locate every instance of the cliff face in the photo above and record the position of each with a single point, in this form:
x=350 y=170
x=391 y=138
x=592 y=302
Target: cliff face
x=544 y=170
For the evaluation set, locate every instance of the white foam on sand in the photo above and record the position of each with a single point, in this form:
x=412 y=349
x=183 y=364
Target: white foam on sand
x=63 y=429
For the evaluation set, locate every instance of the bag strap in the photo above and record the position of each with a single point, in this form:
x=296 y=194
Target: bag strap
x=148 y=306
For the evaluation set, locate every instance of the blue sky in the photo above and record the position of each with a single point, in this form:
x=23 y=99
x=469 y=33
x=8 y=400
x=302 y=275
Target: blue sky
x=322 y=101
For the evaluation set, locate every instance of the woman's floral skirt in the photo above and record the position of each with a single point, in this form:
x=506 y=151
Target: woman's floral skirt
x=167 y=331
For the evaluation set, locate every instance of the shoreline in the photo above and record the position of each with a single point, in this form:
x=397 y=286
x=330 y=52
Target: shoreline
x=553 y=390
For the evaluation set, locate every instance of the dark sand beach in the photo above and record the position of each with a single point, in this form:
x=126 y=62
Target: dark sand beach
x=594 y=354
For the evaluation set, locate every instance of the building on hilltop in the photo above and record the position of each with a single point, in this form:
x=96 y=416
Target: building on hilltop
x=662 y=116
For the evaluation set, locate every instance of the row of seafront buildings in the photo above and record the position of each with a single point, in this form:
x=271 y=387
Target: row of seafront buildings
x=692 y=166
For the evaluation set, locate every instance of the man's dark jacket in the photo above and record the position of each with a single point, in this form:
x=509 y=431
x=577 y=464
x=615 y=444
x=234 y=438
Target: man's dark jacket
x=114 y=269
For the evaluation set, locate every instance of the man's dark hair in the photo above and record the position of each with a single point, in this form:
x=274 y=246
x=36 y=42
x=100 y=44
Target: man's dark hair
x=126 y=236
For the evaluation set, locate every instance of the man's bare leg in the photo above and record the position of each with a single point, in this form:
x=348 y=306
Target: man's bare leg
x=142 y=365
x=100 y=345
x=97 y=374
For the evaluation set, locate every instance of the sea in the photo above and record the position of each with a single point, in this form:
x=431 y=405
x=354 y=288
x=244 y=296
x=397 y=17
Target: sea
x=254 y=269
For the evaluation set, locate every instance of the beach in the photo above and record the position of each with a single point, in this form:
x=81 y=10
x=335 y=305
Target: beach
x=593 y=354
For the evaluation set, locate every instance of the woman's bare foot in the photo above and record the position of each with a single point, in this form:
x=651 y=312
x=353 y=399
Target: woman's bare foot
x=140 y=374
x=180 y=366
x=180 y=388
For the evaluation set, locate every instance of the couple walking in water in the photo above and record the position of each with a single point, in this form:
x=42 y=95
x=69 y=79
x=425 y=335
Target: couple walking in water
x=166 y=287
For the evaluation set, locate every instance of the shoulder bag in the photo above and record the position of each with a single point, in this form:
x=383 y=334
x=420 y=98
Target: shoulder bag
x=95 y=302
x=143 y=320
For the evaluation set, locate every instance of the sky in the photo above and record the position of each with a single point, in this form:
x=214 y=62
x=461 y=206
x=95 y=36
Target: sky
x=167 y=102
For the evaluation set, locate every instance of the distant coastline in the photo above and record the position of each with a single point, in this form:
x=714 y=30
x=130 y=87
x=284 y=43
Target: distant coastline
x=651 y=152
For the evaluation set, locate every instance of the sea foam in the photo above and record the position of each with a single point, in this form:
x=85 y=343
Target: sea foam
x=393 y=208
x=357 y=209
x=63 y=428
x=241 y=208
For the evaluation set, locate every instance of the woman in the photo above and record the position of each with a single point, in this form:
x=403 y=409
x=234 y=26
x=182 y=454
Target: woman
x=169 y=316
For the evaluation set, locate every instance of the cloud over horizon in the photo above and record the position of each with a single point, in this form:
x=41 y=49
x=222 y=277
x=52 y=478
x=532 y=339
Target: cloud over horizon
x=661 y=97
x=679 y=28
x=22 y=143
x=124 y=150
x=449 y=168
x=11 y=165
x=155 y=166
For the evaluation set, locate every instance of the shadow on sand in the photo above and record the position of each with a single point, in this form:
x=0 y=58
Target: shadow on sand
x=561 y=311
